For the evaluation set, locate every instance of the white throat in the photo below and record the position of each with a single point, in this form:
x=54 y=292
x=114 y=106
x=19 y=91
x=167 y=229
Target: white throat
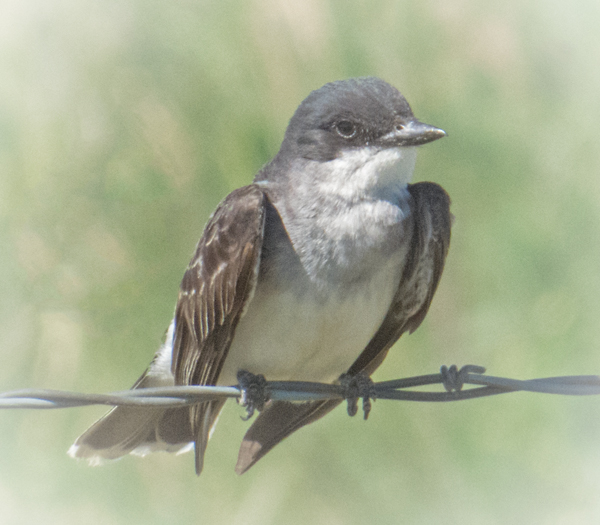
x=368 y=172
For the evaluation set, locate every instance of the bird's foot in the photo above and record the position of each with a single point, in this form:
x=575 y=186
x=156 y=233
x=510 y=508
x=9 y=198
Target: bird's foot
x=355 y=387
x=255 y=392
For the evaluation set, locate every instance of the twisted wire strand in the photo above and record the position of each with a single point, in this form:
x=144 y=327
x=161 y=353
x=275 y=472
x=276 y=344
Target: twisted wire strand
x=451 y=378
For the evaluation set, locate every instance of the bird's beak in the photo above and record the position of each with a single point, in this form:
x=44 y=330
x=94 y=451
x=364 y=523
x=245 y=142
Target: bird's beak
x=413 y=133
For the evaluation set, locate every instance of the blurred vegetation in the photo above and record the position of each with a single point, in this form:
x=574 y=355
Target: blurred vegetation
x=122 y=125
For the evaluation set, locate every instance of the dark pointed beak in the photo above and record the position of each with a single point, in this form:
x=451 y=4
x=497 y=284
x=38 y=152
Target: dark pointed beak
x=413 y=133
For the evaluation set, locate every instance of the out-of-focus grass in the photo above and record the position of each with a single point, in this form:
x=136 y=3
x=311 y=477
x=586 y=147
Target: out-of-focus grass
x=122 y=124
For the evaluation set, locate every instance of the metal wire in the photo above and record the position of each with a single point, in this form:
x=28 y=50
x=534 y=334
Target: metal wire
x=452 y=378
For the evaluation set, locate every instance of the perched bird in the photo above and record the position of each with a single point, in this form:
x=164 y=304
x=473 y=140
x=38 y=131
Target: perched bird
x=312 y=271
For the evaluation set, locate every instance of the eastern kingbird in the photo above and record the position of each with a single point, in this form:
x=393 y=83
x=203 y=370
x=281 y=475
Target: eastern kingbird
x=313 y=271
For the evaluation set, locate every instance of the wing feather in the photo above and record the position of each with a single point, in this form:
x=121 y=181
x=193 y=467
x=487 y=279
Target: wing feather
x=215 y=288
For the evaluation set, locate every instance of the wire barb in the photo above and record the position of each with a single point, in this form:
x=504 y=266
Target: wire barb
x=454 y=379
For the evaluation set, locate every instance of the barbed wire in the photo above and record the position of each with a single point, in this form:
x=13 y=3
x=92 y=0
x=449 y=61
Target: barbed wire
x=452 y=378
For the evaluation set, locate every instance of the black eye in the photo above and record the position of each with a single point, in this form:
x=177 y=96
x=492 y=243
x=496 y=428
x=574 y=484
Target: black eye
x=346 y=129
x=399 y=127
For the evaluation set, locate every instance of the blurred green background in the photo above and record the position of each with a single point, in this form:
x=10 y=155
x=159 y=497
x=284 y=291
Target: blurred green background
x=123 y=124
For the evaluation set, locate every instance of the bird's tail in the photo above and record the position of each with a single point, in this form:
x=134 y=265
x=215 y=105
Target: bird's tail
x=132 y=430
x=136 y=430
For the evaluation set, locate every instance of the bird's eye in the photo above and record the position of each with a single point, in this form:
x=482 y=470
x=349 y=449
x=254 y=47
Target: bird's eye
x=399 y=127
x=345 y=129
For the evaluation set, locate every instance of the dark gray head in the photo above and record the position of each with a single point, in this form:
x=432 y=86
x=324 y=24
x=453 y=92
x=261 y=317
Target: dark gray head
x=352 y=114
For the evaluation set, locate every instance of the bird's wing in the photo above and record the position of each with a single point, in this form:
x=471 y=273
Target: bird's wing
x=430 y=212
x=215 y=290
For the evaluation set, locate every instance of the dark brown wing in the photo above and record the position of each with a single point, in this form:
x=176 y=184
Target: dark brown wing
x=214 y=292
x=430 y=209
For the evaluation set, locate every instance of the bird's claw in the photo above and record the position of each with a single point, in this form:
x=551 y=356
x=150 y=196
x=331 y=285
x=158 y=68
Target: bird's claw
x=355 y=387
x=254 y=392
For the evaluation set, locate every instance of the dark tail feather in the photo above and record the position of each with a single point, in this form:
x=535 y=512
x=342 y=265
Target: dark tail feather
x=283 y=418
x=274 y=424
x=205 y=416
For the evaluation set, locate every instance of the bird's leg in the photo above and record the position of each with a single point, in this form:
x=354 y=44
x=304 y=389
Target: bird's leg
x=355 y=387
x=255 y=392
